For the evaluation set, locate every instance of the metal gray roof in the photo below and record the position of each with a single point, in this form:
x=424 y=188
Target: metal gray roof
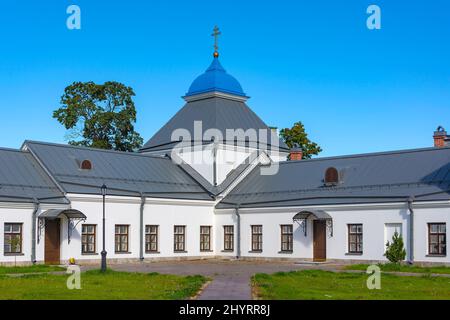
x=22 y=179
x=215 y=113
x=367 y=178
x=124 y=173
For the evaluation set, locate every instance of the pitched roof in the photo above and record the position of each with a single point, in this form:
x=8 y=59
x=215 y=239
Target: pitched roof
x=366 y=178
x=124 y=173
x=23 y=180
x=214 y=113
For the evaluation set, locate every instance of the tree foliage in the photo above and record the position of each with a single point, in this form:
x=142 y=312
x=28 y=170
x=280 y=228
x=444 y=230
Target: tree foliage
x=395 y=251
x=298 y=136
x=99 y=115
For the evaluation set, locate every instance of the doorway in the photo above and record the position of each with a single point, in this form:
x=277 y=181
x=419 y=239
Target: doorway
x=52 y=242
x=319 y=240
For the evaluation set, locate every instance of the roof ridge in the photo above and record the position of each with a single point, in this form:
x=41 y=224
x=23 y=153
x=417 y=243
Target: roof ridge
x=10 y=149
x=362 y=155
x=61 y=145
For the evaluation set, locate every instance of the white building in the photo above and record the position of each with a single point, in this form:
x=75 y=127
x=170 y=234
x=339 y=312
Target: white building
x=212 y=197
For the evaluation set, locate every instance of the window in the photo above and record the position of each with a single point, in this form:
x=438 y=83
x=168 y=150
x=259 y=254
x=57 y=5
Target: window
x=205 y=238
x=257 y=238
x=287 y=238
x=389 y=230
x=355 y=238
x=331 y=176
x=88 y=244
x=122 y=238
x=179 y=238
x=13 y=238
x=86 y=165
x=151 y=238
x=228 y=238
x=437 y=239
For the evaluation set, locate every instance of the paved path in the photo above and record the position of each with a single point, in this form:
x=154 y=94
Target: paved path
x=230 y=279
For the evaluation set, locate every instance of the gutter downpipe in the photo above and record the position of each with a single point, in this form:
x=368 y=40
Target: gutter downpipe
x=411 y=230
x=141 y=229
x=37 y=206
x=238 y=234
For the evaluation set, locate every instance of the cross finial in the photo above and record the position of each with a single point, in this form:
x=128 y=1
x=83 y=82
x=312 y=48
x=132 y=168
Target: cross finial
x=216 y=33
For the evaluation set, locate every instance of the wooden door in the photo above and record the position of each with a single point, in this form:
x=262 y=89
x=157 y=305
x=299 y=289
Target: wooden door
x=52 y=242
x=319 y=240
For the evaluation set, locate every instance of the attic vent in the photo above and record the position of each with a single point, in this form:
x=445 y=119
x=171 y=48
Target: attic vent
x=331 y=177
x=86 y=165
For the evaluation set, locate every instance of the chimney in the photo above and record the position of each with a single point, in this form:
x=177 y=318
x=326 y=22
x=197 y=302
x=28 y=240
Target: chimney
x=440 y=137
x=296 y=153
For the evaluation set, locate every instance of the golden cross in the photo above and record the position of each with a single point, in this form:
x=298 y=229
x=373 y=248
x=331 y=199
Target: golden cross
x=216 y=35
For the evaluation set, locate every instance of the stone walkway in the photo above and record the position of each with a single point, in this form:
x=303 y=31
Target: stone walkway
x=230 y=279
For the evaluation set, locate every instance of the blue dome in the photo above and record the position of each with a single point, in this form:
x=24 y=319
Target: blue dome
x=215 y=79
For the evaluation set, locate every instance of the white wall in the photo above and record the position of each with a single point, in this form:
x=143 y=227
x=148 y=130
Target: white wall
x=17 y=215
x=192 y=214
x=373 y=218
x=22 y=213
x=423 y=216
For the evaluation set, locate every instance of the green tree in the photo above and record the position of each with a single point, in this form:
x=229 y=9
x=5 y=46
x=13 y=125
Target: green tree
x=298 y=136
x=395 y=251
x=99 y=115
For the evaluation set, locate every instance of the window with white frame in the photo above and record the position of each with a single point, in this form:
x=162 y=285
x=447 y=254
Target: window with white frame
x=257 y=238
x=12 y=238
x=151 y=238
x=437 y=239
x=355 y=238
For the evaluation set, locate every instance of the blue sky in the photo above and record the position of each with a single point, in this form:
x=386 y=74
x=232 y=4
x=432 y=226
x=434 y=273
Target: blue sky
x=356 y=90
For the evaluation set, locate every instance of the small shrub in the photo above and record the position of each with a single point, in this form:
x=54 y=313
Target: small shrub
x=395 y=251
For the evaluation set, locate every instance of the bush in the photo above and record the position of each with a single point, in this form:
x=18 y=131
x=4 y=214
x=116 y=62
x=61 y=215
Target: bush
x=395 y=251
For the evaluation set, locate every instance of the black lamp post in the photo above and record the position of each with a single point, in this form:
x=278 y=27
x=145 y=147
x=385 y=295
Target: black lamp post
x=103 y=253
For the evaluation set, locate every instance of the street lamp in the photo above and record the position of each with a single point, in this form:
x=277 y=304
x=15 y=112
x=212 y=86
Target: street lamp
x=103 y=253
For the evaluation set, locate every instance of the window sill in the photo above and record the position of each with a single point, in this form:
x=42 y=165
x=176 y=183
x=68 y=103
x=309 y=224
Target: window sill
x=255 y=251
x=180 y=252
x=228 y=251
x=206 y=251
x=354 y=254
x=286 y=252
x=436 y=255
x=89 y=254
x=152 y=252
x=122 y=252
x=13 y=254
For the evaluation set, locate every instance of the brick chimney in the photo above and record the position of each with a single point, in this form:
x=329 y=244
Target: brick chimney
x=440 y=137
x=295 y=153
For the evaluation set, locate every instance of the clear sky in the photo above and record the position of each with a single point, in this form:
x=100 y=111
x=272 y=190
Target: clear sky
x=356 y=90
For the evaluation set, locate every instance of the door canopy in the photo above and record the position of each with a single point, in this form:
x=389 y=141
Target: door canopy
x=302 y=217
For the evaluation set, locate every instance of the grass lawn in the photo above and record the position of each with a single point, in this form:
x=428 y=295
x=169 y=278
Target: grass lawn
x=319 y=285
x=97 y=286
x=30 y=269
x=403 y=268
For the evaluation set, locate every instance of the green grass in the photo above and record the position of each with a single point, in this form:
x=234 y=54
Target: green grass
x=30 y=269
x=324 y=285
x=393 y=267
x=97 y=286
